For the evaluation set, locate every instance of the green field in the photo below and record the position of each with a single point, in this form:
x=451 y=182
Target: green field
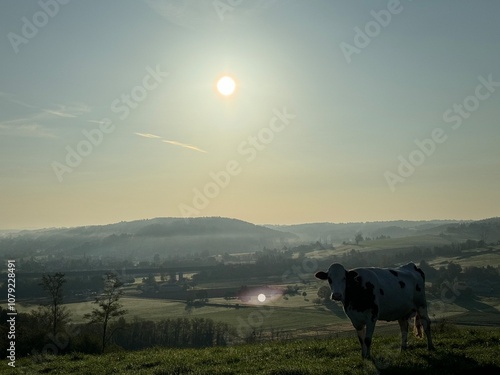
x=458 y=351
x=292 y=317
x=389 y=244
x=293 y=314
x=297 y=316
x=319 y=340
x=472 y=258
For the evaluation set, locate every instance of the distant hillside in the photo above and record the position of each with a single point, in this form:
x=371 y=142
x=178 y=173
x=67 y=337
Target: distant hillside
x=143 y=239
x=338 y=233
x=487 y=230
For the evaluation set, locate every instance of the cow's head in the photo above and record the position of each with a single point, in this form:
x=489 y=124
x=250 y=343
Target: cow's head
x=336 y=277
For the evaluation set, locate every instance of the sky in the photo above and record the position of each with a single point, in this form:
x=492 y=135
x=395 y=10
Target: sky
x=343 y=111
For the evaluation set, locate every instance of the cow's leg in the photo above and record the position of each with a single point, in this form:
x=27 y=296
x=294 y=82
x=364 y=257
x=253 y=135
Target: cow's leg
x=403 y=324
x=370 y=327
x=426 y=322
x=361 y=331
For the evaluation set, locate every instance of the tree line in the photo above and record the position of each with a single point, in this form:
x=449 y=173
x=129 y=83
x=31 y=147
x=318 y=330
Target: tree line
x=49 y=330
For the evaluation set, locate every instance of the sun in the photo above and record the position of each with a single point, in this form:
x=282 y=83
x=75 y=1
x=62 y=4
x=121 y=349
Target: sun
x=226 y=85
x=261 y=297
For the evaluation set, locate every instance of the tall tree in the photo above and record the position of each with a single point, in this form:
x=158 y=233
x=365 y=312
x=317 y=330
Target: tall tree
x=58 y=314
x=109 y=306
x=358 y=238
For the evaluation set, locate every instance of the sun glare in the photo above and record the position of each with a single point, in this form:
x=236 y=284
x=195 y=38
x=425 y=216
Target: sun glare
x=261 y=297
x=226 y=85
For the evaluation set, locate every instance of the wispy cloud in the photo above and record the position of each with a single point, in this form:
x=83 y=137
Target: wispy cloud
x=26 y=130
x=25 y=127
x=185 y=145
x=100 y=122
x=60 y=110
x=147 y=135
x=31 y=123
x=175 y=143
x=58 y=113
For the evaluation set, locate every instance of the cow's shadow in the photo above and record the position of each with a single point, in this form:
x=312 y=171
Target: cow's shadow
x=437 y=362
x=472 y=304
x=335 y=308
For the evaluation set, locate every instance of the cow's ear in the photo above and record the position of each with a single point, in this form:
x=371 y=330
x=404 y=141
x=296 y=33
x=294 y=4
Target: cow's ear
x=321 y=275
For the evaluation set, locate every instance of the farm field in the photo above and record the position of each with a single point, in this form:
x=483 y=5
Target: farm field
x=389 y=244
x=294 y=316
x=471 y=259
x=476 y=258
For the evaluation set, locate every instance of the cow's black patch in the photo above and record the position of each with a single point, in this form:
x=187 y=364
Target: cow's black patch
x=418 y=288
x=359 y=297
x=402 y=284
x=420 y=272
x=329 y=279
x=395 y=273
x=381 y=291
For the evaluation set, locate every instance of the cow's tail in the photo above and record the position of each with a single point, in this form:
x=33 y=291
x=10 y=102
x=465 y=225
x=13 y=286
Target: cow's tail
x=418 y=326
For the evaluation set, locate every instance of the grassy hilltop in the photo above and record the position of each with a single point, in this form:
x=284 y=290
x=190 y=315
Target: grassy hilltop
x=459 y=351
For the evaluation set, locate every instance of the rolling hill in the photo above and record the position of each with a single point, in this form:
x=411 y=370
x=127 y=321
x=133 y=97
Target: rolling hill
x=143 y=239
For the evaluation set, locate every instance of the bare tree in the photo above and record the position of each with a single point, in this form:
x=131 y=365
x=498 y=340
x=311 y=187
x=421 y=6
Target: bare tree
x=57 y=313
x=109 y=306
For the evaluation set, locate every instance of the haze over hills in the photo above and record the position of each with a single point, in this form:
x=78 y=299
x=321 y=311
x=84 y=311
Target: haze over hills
x=142 y=239
x=339 y=232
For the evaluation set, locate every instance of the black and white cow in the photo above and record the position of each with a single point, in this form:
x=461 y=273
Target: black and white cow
x=370 y=294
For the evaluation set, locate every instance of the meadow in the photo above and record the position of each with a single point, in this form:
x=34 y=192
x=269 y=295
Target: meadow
x=291 y=313
x=459 y=351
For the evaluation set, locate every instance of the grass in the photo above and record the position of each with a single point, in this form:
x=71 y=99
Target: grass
x=470 y=259
x=459 y=351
